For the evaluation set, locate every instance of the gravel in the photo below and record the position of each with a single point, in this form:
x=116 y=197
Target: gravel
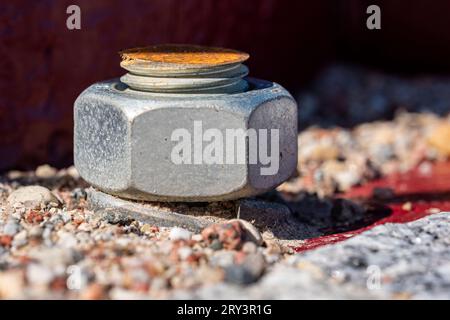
x=68 y=251
x=54 y=244
x=391 y=261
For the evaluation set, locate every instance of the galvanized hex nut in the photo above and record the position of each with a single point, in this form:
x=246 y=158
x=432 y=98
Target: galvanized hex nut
x=123 y=141
x=127 y=141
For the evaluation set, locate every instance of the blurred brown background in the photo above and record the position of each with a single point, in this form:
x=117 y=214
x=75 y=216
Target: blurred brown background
x=44 y=66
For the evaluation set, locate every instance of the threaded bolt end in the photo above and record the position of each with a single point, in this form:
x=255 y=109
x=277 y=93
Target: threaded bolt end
x=184 y=69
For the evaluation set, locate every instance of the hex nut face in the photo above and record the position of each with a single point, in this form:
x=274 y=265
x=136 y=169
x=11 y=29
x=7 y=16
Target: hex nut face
x=123 y=141
x=101 y=142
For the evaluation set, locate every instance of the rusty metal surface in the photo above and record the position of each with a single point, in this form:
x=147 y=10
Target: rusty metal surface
x=183 y=55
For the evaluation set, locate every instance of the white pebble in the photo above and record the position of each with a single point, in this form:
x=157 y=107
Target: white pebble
x=179 y=234
x=11 y=228
x=32 y=197
x=39 y=274
x=249 y=247
x=66 y=216
x=197 y=237
x=184 y=253
x=66 y=239
x=20 y=239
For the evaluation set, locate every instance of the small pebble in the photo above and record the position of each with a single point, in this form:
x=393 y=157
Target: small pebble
x=32 y=197
x=177 y=233
x=45 y=171
x=66 y=239
x=11 y=284
x=148 y=229
x=247 y=272
x=249 y=247
x=216 y=245
x=197 y=237
x=36 y=232
x=407 y=206
x=222 y=258
x=39 y=275
x=251 y=233
x=11 y=228
x=184 y=253
x=65 y=216
x=20 y=239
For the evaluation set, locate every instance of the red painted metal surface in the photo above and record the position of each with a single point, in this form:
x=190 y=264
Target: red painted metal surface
x=426 y=193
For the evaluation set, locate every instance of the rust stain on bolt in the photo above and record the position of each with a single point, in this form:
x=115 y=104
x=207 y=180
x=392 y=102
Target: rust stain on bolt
x=183 y=54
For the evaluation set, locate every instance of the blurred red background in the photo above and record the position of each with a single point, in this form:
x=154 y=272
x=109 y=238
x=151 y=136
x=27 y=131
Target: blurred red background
x=44 y=66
